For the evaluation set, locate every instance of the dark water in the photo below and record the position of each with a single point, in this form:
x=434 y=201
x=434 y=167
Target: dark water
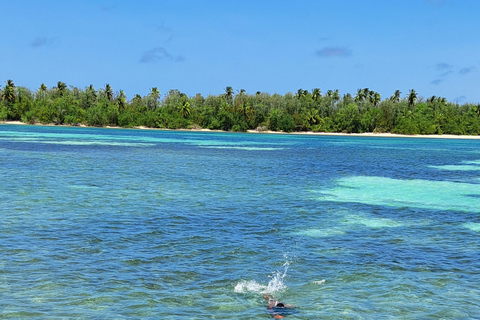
x=140 y=224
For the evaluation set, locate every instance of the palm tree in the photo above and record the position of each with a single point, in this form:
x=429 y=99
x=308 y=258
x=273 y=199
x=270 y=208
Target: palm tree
x=42 y=91
x=336 y=95
x=347 y=99
x=121 y=100
x=154 y=96
x=301 y=93
x=412 y=98
x=108 y=92
x=366 y=93
x=476 y=109
x=312 y=116
x=9 y=92
x=61 y=87
x=91 y=96
x=360 y=95
x=316 y=94
x=376 y=99
x=90 y=91
x=396 y=96
x=185 y=109
x=228 y=93
x=155 y=93
x=249 y=112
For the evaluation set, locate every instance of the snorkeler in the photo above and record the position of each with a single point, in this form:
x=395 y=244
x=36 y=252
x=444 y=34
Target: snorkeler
x=278 y=308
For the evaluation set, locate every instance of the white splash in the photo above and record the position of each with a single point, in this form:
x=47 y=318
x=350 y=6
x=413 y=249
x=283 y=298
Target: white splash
x=276 y=283
x=249 y=286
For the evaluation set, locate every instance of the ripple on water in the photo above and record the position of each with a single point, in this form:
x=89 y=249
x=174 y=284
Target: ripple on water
x=120 y=224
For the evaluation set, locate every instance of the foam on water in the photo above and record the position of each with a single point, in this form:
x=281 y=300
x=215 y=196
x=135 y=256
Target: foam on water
x=437 y=195
x=319 y=281
x=275 y=284
x=244 y=286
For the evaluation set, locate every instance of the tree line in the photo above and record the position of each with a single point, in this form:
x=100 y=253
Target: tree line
x=298 y=111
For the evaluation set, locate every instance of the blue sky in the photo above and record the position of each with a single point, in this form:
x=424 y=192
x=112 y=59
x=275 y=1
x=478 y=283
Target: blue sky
x=432 y=46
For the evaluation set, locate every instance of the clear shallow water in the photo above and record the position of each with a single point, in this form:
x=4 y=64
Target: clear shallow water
x=125 y=224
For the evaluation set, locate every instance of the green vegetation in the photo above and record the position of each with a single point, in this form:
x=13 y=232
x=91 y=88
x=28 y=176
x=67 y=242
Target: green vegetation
x=230 y=111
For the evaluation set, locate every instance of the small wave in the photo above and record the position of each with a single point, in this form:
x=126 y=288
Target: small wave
x=319 y=281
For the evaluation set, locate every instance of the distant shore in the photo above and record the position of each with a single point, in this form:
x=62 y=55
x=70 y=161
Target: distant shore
x=372 y=134
x=367 y=134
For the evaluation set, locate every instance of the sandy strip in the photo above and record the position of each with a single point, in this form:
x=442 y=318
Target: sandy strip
x=371 y=134
x=12 y=122
x=368 y=134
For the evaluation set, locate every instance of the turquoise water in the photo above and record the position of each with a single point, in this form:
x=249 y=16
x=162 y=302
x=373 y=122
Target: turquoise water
x=143 y=224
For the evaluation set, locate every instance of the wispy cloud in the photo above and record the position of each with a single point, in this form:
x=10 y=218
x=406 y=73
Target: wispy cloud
x=445 y=69
x=165 y=32
x=330 y=52
x=159 y=53
x=465 y=71
x=442 y=66
x=41 y=42
x=446 y=73
x=460 y=99
x=160 y=27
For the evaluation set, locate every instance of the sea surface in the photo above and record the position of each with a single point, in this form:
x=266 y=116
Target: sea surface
x=102 y=223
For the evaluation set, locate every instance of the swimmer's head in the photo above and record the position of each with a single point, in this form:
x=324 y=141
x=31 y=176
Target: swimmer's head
x=280 y=305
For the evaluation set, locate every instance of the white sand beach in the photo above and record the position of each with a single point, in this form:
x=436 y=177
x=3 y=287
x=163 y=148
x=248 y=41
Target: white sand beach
x=367 y=134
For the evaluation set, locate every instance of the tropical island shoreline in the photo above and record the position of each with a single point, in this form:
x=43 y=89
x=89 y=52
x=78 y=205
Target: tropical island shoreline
x=311 y=112
x=307 y=133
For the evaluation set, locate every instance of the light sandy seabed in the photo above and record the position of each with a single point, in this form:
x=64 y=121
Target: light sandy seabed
x=369 y=134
